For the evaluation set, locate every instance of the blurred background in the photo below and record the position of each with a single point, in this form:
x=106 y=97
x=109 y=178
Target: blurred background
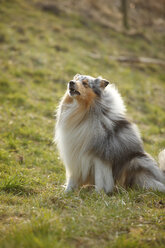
x=134 y=14
x=43 y=44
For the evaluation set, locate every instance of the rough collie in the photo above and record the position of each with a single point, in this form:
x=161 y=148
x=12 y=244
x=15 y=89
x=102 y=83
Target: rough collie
x=97 y=144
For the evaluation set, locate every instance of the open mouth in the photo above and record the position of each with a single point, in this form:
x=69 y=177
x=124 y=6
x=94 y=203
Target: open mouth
x=73 y=92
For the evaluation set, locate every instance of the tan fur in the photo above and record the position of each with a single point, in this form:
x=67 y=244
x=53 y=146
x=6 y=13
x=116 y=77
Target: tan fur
x=102 y=84
x=85 y=100
x=85 y=81
x=122 y=180
x=67 y=99
x=86 y=97
x=75 y=116
x=85 y=147
x=88 y=181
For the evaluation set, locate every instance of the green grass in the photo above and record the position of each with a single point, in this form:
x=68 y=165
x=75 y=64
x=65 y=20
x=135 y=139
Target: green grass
x=39 y=54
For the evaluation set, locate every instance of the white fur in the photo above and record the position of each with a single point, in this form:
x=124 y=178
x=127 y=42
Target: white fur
x=103 y=177
x=77 y=162
x=117 y=104
x=161 y=158
x=73 y=140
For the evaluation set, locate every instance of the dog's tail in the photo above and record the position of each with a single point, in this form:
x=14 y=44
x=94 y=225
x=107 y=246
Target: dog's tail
x=161 y=158
x=149 y=175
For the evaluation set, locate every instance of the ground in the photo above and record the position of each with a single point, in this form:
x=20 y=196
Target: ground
x=40 y=51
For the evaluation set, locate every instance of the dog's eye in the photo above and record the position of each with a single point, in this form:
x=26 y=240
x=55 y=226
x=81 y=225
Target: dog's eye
x=85 y=84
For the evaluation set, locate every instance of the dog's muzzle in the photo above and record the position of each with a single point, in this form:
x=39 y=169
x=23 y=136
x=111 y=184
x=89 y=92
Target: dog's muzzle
x=72 y=89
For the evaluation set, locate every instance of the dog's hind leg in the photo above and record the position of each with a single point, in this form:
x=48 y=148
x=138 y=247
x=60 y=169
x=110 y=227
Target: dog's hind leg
x=148 y=182
x=145 y=174
x=103 y=177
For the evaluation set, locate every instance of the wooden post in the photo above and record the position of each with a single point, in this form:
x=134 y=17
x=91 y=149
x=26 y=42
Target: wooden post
x=124 y=7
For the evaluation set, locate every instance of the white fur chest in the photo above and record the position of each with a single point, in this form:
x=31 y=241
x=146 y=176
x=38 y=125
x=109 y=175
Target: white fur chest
x=72 y=141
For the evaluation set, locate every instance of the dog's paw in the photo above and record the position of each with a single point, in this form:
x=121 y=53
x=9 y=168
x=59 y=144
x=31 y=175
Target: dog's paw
x=68 y=189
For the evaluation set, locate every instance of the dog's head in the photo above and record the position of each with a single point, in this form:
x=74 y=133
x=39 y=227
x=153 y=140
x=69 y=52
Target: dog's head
x=86 y=88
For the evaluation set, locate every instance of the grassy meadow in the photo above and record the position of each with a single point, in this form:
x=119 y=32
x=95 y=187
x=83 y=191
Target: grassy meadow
x=39 y=53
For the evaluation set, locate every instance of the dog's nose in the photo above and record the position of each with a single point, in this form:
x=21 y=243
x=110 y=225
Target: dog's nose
x=71 y=84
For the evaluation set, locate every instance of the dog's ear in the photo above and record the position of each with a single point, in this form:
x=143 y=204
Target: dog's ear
x=76 y=76
x=103 y=83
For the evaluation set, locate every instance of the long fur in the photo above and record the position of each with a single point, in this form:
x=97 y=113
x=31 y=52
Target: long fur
x=97 y=144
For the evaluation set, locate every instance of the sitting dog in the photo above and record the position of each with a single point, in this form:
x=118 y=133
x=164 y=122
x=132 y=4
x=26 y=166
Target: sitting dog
x=97 y=144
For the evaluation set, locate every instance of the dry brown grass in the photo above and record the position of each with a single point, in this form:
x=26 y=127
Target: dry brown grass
x=142 y=14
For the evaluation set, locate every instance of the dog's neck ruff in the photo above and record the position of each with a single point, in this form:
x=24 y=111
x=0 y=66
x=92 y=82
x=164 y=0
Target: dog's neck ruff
x=109 y=104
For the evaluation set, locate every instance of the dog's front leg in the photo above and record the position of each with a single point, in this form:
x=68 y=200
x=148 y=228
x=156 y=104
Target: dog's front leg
x=71 y=183
x=103 y=176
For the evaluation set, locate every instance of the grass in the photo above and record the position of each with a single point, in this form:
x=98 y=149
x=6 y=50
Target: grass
x=39 y=53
